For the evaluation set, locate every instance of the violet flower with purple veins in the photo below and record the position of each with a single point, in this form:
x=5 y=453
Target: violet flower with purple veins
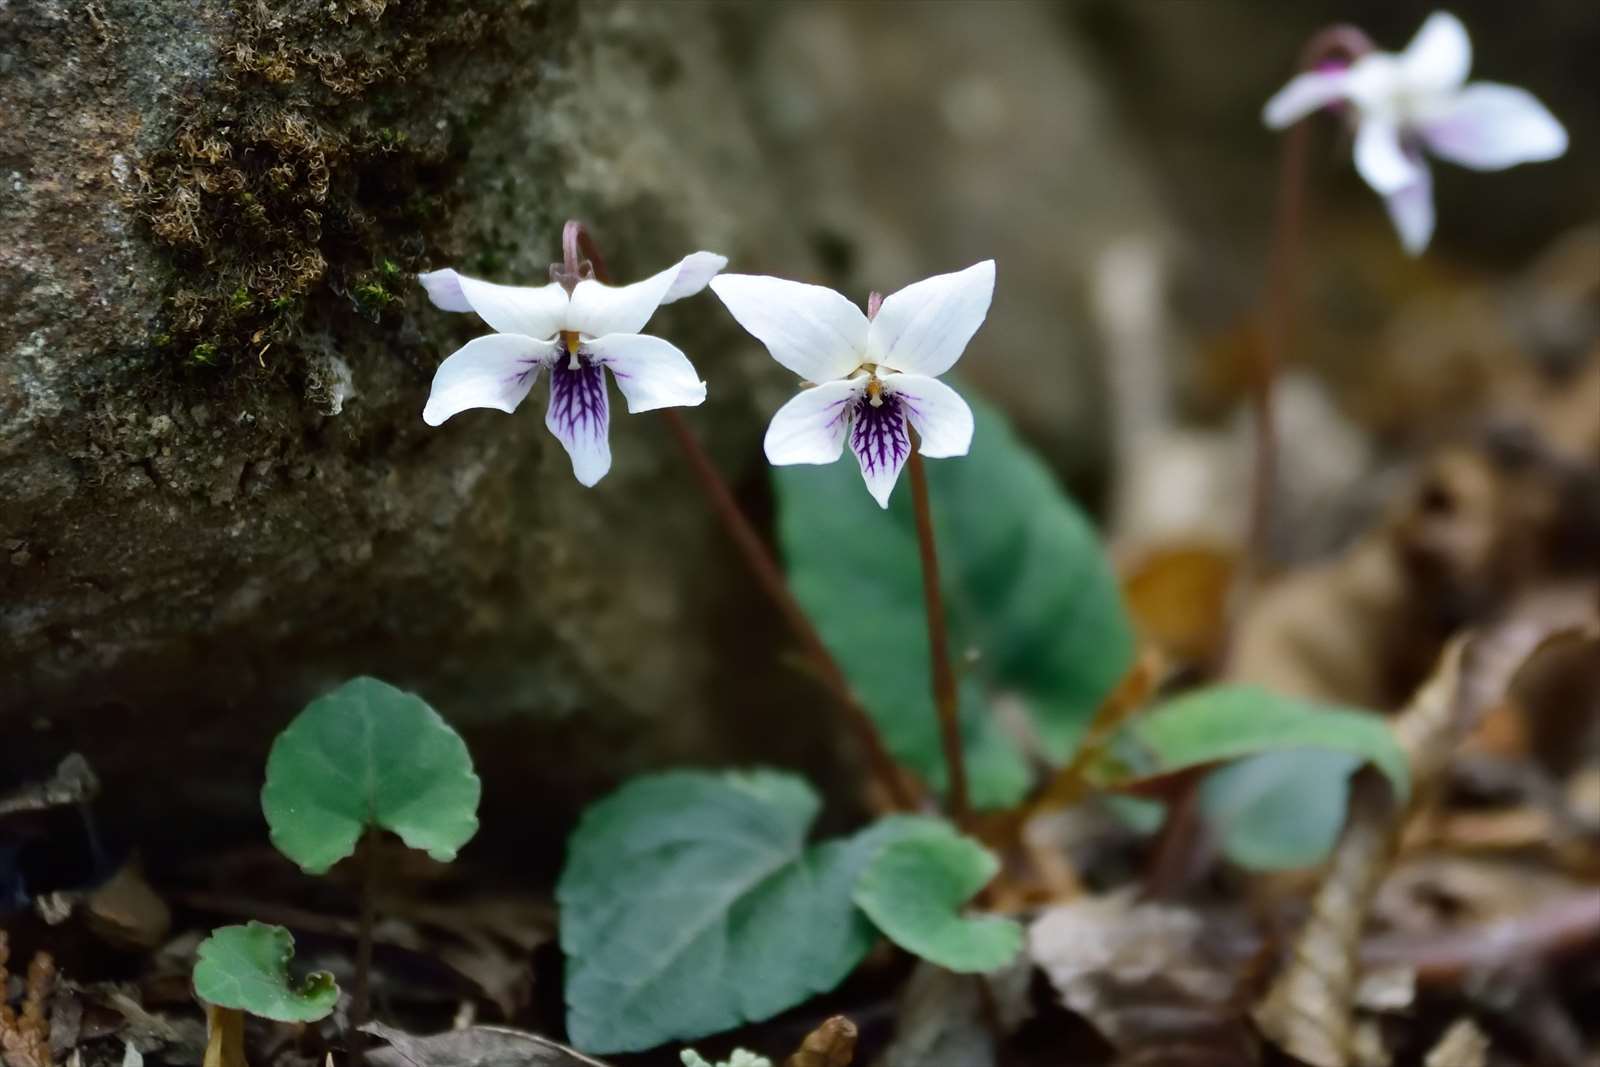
x=1405 y=102
x=875 y=374
x=579 y=328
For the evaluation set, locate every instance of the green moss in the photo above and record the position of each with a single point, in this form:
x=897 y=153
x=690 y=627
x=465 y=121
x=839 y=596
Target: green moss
x=319 y=152
x=373 y=297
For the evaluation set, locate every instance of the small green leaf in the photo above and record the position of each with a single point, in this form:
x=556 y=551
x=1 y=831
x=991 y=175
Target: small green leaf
x=368 y=755
x=1227 y=722
x=690 y=904
x=1280 y=809
x=1034 y=609
x=913 y=891
x=247 y=968
x=1283 y=804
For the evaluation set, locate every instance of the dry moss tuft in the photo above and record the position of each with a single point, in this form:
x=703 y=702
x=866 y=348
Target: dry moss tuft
x=316 y=171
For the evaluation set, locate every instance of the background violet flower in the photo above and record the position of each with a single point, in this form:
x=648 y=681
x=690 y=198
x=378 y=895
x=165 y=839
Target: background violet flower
x=1403 y=102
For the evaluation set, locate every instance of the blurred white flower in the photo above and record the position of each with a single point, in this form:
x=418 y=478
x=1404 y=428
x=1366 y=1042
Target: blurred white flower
x=1419 y=98
x=578 y=335
x=874 y=372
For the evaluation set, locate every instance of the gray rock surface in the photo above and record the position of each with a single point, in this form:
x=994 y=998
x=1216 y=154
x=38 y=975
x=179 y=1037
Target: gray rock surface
x=218 y=493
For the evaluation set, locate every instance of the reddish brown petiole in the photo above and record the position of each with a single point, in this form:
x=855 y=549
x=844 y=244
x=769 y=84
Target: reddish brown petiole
x=581 y=257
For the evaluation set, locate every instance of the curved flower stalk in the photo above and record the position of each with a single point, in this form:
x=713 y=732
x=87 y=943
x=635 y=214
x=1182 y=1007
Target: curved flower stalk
x=869 y=377
x=578 y=328
x=1404 y=102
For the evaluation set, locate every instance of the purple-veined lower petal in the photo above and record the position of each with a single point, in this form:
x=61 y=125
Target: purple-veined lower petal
x=881 y=441
x=1411 y=211
x=488 y=372
x=1306 y=92
x=812 y=330
x=812 y=427
x=579 y=416
x=1488 y=126
x=651 y=373
x=532 y=312
x=942 y=419
x=1439 y=56
x=1381 y=157
x=924 y=328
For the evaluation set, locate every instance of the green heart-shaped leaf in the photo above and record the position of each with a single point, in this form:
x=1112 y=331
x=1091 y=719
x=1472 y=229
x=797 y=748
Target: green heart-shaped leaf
x=690 y=904
x=1226 y=722
x=1280 y=809
x=368 y=755
x=914 y=889
x=1034 y=609
x=1283 y=803
x=247 y=968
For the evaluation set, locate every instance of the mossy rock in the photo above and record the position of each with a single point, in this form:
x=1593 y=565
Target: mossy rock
x=220 y=496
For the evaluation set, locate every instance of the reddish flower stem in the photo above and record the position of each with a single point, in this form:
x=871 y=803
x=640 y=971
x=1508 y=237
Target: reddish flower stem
x=361 y=995
x=1336 y=43
x=577 y=246
x=944 y=675
x=770 y=578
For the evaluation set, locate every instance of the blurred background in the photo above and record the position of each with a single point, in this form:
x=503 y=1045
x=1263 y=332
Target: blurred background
x=203 y=531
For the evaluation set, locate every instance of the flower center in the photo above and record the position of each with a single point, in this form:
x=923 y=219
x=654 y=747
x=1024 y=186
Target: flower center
x=875 y=393
x=569 y=338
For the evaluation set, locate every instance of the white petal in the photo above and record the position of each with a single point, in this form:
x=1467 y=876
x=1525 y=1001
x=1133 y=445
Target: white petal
x=1381 y=159
x=489 y=372
x=580 y=416
x=811 y=428
x=881 y=441
x=508 y=308
x=1376 y=85
x=1305 y=93
x=651 y=373
x=444 y=289
x=695 y=271
x=923 y=328
x=601 y=309
x=942 y=419
x=1488 y=126
x=813 y=331
x=1411 y=211
x=1439 y=56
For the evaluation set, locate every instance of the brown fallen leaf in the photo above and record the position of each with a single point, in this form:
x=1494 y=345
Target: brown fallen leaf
x=1178 y=597
x=1152 y=978
x=476 y=1046
x=224 y=1037
x=25 y=1035
x=832 y=1044
x=126 y=912
x=1308 y=1011
x=1463 y=1045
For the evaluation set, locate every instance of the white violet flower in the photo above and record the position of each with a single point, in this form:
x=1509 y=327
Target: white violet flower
x=578 y=329
x=1418 y=99
x=873 y=372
